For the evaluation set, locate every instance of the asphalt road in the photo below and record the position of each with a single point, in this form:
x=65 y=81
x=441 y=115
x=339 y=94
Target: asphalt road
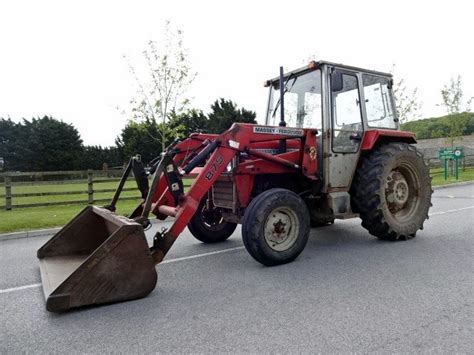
x=346 y=292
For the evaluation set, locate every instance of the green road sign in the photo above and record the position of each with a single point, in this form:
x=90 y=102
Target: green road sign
x=453 y=153
x=458 y=153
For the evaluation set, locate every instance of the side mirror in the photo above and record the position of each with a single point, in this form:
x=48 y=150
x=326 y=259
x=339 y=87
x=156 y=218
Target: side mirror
x=336 y=81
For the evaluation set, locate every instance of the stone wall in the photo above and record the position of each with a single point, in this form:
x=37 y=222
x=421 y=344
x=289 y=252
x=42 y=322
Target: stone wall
x=430 y=148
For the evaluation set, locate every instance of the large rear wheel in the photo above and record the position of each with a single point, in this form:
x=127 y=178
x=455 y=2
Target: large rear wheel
x=392 y=192
x=208 y=225
x=276 y=227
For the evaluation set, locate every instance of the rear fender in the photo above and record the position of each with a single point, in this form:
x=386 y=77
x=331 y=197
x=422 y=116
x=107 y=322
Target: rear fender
x=373 y=138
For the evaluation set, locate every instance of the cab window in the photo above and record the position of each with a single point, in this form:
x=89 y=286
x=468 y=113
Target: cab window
x=302 y=102
x=346 y=115
x=378 y=102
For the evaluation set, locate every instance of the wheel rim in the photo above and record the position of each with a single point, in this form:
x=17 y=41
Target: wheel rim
x=212 y=219
x=281 y=229
x=402 y=192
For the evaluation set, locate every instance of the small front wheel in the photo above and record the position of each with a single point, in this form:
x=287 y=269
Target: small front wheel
x=276 y=227
x=208 y=225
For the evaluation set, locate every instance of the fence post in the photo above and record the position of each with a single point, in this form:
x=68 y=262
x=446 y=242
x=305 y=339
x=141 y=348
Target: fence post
x=90 y=186
x=8 y=193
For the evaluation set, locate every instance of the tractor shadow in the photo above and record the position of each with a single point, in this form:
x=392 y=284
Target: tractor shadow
x=340 y=255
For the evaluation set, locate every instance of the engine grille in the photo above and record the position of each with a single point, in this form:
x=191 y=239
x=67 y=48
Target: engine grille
x=223 y=192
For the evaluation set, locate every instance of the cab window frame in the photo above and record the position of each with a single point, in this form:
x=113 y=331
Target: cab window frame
x=390 y=100
x=333 y=122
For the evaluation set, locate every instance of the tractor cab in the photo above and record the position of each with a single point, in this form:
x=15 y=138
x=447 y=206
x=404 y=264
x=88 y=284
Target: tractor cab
x=342 y=103
x=310 y=93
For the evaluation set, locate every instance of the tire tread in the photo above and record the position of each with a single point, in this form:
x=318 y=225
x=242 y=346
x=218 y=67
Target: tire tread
x=366 y=193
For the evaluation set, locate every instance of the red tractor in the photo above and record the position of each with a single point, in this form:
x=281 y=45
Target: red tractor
x=331 y=149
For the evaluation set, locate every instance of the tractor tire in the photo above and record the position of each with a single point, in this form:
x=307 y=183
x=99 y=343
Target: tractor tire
x=276 y=227
x=208 y=226
x=392 y=192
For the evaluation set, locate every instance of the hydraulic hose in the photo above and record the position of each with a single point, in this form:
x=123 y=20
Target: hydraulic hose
x=201 y=157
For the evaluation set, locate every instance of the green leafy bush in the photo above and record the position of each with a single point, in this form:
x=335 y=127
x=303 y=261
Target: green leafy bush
x=457 y=124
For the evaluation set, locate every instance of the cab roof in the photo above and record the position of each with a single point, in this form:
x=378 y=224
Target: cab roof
x=313 y=65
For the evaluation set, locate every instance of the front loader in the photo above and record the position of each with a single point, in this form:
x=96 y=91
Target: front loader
x=331 y=149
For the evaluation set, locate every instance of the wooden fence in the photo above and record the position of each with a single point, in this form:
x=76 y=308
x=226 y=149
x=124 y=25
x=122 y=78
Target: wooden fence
x=467 y=161
x=90 y=179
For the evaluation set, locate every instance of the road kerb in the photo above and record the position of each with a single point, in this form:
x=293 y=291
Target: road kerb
x=462 y=183
x=43 y=232
x=28 y=234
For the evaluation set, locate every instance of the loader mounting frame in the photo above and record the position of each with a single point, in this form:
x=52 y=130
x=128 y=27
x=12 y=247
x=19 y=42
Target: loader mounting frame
x=165 y=198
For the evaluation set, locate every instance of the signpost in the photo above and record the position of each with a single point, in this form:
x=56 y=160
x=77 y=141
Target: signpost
x=453 y=153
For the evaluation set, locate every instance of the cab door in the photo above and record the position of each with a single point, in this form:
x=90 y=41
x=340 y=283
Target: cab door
x=347 y=128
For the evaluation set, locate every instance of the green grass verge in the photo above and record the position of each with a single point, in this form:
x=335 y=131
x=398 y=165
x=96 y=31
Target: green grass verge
x=23 y=219
x=438 y=176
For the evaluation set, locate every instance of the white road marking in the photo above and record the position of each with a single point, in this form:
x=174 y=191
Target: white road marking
x=451 y=211
x=19 y=288
x=14 y=289
x=200 y=255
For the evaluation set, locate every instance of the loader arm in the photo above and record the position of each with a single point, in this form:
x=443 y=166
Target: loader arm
x=181 y=153
x=221 y=150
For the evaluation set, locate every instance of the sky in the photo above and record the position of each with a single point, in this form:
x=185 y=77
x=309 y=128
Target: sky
x=66 y=58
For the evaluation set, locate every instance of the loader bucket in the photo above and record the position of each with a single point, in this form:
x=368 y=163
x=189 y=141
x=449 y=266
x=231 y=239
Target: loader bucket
x=96 y=258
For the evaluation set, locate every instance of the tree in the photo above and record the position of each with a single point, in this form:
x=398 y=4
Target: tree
x=407 y=103
x=188 y=122
x=139 y=138
x=224 y=113
x=51 y=144
x=94 y=157
x=162 y=93
x=468 y=104
x=452 y=95
x=9 y=140
x=456 y=129
x=450 y=126
x=41 y=144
